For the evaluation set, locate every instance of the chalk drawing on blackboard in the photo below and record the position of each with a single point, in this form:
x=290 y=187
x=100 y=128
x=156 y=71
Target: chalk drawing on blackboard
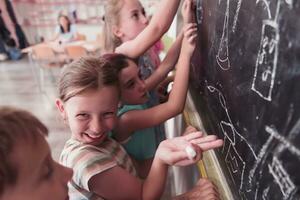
x=266 y=4
x=223 y=55
x=276 y=169
x=265 y=193
x=235 y=163
x=266 y=63
x=199 y=13
x=290 y=3
x=281 y=177
x=236 y=15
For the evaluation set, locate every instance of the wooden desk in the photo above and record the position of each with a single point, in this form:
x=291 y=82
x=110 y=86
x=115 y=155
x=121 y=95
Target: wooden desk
x=90 y=46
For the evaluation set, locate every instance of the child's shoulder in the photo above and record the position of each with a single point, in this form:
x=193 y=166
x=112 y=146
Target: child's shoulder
x=125 y=108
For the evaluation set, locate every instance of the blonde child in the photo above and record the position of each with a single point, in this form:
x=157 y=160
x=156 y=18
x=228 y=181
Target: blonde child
x=128 y=31
x=89 y=96
x=27 y=170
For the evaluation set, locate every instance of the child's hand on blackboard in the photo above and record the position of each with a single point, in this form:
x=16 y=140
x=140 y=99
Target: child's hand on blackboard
x=189 y=39
x=187 y=12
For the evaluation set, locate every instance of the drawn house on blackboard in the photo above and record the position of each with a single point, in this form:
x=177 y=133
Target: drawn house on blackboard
x=233 y=141
x=270 y=172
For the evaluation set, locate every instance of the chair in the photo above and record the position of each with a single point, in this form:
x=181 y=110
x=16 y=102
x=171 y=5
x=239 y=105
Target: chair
x=75 y=52
x=101 y=39
x=45 y=57
x=81 y=36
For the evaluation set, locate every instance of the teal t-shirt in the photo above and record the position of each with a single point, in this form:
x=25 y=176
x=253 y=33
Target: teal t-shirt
x=142 y=144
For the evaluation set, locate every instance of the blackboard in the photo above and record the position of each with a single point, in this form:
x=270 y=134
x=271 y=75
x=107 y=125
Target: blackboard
x=245 y=82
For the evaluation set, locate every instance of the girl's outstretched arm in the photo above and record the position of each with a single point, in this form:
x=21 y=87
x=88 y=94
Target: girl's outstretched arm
x=159 y=24
x=117 y=183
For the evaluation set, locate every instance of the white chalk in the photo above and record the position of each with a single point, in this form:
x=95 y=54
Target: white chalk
x=191 y=153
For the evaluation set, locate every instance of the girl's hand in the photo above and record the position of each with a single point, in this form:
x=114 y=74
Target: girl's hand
x=172 y=151
x=188 y=11
x=189 y=38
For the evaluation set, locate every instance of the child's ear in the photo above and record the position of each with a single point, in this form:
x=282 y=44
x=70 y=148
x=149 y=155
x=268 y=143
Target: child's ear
x=117 y=32
x=60 y=106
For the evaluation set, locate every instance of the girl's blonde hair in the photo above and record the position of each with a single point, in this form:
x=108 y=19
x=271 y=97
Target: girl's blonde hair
x=89 y=73
x=111 y=19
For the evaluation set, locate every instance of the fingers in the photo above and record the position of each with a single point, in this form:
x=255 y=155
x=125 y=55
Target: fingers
x=193 y=135
x=199 y=140
x=191 y=33
x=190 y=129
x=211 y=145
x=198 y=151
x=207 y=189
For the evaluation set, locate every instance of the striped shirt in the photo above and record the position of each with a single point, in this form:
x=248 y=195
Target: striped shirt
x=89 y=160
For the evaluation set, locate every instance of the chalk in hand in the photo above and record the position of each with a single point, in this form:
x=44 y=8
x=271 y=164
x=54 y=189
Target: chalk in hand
x=191 y=153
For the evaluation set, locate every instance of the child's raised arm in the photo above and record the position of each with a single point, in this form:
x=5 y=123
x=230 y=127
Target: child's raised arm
x=139 y=119
x=171 y=58
x=158 y=25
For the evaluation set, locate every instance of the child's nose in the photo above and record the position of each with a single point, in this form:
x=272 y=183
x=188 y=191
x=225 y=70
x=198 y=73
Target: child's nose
x=142 y=85
x=145 y=20
x=96 y=125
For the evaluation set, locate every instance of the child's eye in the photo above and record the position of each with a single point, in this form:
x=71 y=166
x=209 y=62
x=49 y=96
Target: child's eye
x=135 y=15
x=82 y=116
x=130 y=85
x=108 y=114
x=144 y=13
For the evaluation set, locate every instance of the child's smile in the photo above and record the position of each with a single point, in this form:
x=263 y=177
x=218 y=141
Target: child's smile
x=92 y=114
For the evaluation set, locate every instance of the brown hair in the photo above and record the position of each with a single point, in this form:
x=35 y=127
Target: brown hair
x=61 y=28
x=111 y=19
x=15 y=124
x=89 y=73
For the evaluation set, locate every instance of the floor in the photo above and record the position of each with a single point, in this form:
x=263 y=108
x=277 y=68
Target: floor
x=19 y=87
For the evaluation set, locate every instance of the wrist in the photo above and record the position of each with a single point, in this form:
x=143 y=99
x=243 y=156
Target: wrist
x=158 y=161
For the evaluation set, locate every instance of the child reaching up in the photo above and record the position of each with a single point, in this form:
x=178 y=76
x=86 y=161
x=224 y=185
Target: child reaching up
x=136 y=120
x=89 y=96
x=128 y=31
x=27 y=170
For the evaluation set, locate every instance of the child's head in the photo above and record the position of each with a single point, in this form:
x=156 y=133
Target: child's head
x=64 y=23
x=88 y=97
x=132 y=86
x=27 y=170
x=124 y=20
